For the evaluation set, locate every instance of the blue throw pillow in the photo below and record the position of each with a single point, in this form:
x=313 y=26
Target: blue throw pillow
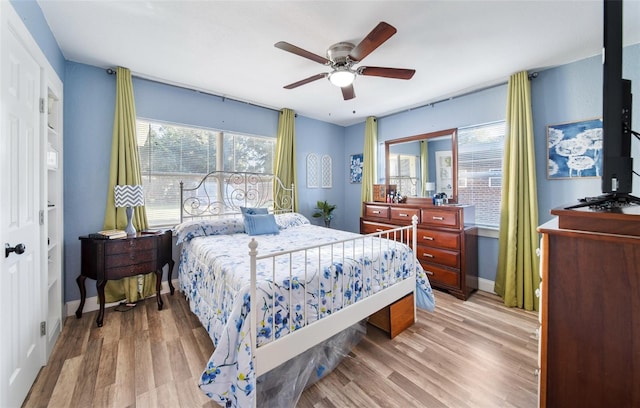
x=251 y=211
x=260 y=224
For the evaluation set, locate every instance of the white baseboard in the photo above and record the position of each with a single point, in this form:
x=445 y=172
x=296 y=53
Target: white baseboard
x=486 y=285
x=91 y=303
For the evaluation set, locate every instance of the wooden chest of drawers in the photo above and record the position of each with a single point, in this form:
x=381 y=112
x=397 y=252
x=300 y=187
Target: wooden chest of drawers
x=447 y=243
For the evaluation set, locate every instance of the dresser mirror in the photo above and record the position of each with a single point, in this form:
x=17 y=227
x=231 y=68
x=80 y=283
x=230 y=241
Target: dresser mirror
x=423 y=165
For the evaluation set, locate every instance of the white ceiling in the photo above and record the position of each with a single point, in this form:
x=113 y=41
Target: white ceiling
x=227 y=47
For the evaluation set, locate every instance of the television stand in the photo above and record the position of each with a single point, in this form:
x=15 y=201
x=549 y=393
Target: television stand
x=607 y=201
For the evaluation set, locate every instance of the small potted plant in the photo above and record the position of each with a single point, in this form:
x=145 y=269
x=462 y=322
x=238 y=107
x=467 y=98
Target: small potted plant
x=324 y=210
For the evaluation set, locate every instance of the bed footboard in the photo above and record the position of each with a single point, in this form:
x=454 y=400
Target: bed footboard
x=397 y=267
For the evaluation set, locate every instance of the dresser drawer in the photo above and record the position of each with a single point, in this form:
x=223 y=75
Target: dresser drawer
x=404 y=215
x=368 y=227
x=376 y=211
x=438 y=275
x=131 y=258
x=129 y=270
x=122 y=246
x=440 y=256
x=440 y=239
x=441 y=218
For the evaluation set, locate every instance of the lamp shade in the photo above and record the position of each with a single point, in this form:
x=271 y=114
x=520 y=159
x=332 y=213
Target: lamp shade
x=129 y=196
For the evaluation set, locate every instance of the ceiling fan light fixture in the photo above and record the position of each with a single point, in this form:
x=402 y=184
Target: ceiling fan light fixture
x=342 y=77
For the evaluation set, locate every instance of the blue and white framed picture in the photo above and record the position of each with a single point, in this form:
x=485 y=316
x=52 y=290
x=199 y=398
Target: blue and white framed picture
x=574 y=150
x=355 y=168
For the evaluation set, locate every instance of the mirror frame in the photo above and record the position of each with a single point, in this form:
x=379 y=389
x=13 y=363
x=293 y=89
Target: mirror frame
x=453 y=132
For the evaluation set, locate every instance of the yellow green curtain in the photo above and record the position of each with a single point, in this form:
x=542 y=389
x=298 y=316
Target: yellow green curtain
x=517 y=275
x=285 y=160
x=369 y=158
x=125 y=170
x=424 y=165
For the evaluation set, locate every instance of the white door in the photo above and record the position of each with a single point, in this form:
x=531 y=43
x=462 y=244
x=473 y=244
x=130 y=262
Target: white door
x=20 y=293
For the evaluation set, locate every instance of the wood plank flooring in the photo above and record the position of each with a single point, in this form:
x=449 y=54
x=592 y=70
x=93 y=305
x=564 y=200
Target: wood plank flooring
x=476 y=353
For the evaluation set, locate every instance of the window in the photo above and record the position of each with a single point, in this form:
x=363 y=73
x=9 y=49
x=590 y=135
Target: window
x=171 y=153
x=403 y=172
x=480 y=151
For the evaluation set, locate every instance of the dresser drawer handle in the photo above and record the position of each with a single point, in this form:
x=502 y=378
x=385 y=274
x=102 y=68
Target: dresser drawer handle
x=428 y=272
x=438 y=218
x=132 y=243
x=403 y=215
x=427 y=255
x=427 y=238
x=376 y=211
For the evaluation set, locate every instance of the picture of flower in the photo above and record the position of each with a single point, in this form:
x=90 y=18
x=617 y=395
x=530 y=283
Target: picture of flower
x=355 y=168
x=574 y=149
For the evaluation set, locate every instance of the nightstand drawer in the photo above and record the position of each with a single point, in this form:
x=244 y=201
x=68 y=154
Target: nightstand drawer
x=441 y=239
x=129 y=270
x=131 y=258
x=121 y=246
x=439 y=256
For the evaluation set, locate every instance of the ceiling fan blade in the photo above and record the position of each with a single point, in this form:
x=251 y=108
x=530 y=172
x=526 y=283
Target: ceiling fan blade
x=397 y=73
x=305 y=81
x=303 y=53
x=348 y=92
x=373 y=40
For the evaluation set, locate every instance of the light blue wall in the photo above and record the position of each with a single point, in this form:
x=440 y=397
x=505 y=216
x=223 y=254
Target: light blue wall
x=571 y=93
x=31 y=14
x=322 y=138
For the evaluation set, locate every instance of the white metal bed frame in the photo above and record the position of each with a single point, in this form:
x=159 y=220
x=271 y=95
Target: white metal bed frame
x=246 y=192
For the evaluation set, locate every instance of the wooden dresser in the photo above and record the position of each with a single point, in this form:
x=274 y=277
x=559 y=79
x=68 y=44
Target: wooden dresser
x=590 y=309
x=447 y=241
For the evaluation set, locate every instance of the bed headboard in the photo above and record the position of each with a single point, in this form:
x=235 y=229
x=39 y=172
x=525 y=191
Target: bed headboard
x=222 y=193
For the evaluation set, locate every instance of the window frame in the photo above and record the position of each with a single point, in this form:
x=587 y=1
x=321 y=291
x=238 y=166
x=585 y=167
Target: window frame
x=166 y=217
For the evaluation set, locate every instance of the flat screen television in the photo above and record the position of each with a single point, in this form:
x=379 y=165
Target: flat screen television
x=617 y=163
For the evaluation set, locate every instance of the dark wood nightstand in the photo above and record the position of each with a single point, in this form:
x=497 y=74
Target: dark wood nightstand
x=112 y=259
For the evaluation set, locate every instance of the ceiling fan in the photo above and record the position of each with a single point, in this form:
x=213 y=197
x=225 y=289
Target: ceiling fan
x=342 y=57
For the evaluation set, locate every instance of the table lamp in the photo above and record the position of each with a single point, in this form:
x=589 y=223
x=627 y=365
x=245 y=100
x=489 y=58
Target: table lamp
x=129 y=196
x=429 y=188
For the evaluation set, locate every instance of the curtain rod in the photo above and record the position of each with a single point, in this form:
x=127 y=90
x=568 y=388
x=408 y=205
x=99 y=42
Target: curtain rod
x=530 y=76
x=222 y=98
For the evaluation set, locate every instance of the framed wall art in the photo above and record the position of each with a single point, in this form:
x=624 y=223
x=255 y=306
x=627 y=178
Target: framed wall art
x=326 y=172
x=355 y=168
x=312 y=170
x=574 y=149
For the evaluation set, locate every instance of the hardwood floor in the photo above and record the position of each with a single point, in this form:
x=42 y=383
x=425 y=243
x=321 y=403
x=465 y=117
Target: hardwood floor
x=476 y=353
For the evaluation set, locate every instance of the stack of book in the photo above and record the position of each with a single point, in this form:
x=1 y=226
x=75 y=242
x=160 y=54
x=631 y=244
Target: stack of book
x=109 y=234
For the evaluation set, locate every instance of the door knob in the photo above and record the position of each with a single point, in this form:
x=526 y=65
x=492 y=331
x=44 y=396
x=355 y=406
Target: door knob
x=18 y=249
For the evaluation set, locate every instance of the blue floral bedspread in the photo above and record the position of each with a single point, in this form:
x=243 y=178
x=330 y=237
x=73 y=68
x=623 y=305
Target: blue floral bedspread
x=214 y=275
